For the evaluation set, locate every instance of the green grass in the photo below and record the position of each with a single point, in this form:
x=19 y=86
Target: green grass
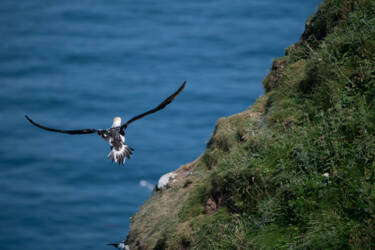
x=319 y=119
x=296 y=171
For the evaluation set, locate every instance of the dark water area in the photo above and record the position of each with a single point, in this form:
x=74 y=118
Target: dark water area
x=77 y=64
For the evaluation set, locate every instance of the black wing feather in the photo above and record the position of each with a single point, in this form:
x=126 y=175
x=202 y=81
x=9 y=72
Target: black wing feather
x=113 y=244
x=71 y=132
x=159 y=107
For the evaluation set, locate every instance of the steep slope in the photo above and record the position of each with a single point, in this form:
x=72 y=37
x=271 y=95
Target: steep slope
x=297 y=169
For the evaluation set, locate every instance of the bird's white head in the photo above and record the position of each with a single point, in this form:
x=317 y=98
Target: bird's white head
x=116 y=122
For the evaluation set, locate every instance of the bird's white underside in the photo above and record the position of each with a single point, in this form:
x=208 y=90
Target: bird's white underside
x=121 y=246
x=117 y=153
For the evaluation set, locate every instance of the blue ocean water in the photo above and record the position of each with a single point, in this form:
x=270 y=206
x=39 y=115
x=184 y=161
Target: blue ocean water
x=77 y=64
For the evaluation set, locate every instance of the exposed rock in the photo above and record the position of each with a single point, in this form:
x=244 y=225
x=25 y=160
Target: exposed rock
x=210 y=207
x=271 y=81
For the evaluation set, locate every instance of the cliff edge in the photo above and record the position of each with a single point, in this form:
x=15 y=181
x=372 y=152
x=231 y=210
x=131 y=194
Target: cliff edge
x=296 y=170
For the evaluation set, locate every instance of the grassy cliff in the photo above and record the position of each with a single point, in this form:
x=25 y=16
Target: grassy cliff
x=297 y=169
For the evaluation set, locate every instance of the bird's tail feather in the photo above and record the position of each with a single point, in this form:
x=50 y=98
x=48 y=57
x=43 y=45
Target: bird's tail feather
x=120 y=156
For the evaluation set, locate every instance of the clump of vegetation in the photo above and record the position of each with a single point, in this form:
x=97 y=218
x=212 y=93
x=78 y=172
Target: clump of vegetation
x=298 y=169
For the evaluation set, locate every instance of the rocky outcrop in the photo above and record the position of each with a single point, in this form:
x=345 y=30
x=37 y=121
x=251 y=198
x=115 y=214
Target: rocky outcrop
x=296 y=170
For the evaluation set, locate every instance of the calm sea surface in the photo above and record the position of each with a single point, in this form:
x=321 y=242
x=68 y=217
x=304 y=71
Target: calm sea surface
x=77 y=64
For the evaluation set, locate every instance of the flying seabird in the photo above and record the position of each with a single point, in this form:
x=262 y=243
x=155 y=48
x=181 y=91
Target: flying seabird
x=121 y=245
x=116 y=134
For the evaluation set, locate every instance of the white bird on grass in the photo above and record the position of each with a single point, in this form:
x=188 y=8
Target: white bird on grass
x=121 y=245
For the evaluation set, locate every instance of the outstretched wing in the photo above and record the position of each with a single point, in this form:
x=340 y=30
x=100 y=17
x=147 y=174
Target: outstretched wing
x=159 y=107
x=114 y=244
x=72 y=132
